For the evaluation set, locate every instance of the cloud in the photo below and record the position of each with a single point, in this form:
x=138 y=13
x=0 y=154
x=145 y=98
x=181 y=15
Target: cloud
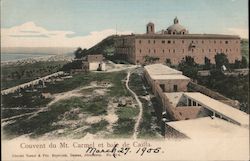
x=243 y=33
x=31 y=35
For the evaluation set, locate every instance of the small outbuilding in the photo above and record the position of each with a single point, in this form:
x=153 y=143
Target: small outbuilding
x=93 y=62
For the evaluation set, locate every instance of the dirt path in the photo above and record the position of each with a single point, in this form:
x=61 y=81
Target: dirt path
x=65 y=95
x=140 y=107
x=57 y=97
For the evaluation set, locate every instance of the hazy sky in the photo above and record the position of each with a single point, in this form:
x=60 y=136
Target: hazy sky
x=85 y=22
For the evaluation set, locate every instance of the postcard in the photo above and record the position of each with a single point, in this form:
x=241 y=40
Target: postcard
x=124 y=80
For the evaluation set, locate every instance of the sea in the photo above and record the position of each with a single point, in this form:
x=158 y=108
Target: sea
x=19 y=53
x=14 y=57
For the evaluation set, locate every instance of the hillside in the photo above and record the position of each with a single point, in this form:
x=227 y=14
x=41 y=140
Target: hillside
x=105 y=47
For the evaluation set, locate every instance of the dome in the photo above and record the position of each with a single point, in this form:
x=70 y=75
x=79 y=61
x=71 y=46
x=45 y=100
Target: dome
x=176 y=28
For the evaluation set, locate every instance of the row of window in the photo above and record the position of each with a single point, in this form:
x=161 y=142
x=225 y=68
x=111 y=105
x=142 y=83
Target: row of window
x=173 y=50
x=202 y=41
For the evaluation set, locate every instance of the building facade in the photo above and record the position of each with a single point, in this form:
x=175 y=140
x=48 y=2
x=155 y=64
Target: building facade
x=93 y=63
x=174 y=43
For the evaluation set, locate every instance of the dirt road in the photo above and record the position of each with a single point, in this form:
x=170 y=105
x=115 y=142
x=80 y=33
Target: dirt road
x=140 y=107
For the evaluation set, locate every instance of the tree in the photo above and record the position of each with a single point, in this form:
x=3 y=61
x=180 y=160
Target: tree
x=208 y=64
x=244 y=63
x=150 y=59
x=78 y=53
x=168 y=62
x=237 y=64
x=189 y=67
x=220 y=60
x=76 y=64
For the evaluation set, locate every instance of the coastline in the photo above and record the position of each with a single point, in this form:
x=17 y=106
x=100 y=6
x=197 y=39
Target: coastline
x=23 y=61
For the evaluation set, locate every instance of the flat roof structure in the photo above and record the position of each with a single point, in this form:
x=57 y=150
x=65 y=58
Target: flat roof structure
x=160 y=69
x=220 y=108
x=209 y=128
x=169 y=77
x=185 y=36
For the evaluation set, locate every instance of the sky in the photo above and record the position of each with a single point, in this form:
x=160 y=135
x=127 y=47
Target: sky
x=83 y=23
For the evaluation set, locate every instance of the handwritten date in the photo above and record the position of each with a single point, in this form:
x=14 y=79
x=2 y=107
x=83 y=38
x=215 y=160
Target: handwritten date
x=116 y=151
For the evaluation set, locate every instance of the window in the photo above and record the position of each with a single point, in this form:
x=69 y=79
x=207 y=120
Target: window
x=182 y=41
x=154 y=50
x=215 y=41
x=226 y=50
x=202 y=42
x=162 y=87
x=209 y=50
x=140 y=50
x=139 y=41
x=163 y=50
x=169 y=42
x=148 y=50
x=173 y=42
x=175 y=88
x=183 y=50
x=174 y=50
x=226 y=42
x=215 y=50
x=220 y=41
x=203 y=50
x=192 y=50
x=154 y=41
x=149 y=41
x=163 y=41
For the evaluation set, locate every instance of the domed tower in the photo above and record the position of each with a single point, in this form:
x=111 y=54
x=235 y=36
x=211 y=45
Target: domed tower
x=176 y=28
x=176 y=20
x=150 y=28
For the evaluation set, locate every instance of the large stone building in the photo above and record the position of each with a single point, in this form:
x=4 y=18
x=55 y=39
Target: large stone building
x=174 y=43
